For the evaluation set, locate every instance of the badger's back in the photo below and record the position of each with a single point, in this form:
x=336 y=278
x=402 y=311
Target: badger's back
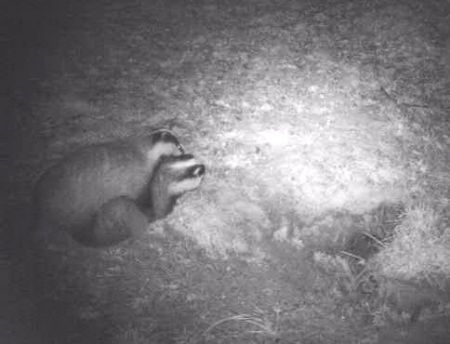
x=69 y=194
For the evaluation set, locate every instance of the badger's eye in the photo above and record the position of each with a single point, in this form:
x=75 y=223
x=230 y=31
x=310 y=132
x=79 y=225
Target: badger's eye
x=185 y=157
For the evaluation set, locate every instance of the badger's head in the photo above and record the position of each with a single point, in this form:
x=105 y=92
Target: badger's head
x=173 y=176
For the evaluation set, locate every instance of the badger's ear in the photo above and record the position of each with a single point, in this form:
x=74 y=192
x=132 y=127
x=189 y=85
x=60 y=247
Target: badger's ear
x=165 y=135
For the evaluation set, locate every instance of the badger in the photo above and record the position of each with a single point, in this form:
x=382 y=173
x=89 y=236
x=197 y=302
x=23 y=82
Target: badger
x=106 y=193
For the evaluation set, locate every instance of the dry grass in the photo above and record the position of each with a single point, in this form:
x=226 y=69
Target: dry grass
x=420 y=250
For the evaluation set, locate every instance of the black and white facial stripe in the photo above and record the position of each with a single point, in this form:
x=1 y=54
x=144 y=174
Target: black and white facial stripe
x=174 y=176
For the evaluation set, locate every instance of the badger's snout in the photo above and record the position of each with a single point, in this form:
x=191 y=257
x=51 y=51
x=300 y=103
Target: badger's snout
x=198 y=170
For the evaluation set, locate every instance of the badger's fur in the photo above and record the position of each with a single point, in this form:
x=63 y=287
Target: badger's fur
x=106 y=193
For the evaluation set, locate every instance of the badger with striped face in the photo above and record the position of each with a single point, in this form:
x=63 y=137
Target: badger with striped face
x=174 y=176
x=109 y=192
